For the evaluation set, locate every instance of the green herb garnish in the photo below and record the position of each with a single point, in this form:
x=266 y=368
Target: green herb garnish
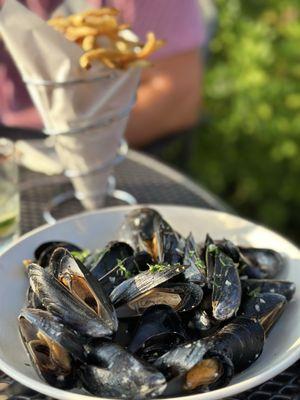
x=197 y=260
x=255 y=292
x=81 y=255
x=156 y=267
x=123 y=270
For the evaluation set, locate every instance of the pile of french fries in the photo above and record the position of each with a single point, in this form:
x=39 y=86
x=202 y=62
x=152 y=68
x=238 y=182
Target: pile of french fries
x=103 y=39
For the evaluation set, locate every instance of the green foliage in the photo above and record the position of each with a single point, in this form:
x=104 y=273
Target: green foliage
x=247 y=150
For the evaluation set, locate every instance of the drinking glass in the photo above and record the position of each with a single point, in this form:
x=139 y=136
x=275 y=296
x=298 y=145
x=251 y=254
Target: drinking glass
x=9 y=194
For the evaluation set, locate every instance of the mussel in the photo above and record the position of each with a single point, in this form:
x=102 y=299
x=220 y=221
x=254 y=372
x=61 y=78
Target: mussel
x=112 y=255
x=82 y=284
x=140 y=230
x=256 y=286
x=113 y=372
x=262 y=263
x=143 y=282
x=59 y=301
x=44 y=251
x=226 y=285
x=265 y=307
x=210 y=363
x=196 y=271
x=159 y=329
x=181 y=297
x=52 y=348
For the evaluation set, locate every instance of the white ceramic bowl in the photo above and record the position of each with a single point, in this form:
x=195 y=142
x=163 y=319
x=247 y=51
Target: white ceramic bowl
x=93 y=230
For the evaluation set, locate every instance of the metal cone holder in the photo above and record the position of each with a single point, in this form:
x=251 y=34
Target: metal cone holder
x=92 y=180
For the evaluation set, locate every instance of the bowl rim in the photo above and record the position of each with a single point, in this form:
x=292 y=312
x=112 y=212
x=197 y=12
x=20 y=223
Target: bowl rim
x=232 y=389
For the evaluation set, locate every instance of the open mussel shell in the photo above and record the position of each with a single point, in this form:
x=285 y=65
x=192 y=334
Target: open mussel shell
x=190 y=367
x=226 y=287
x=265 y=307
x=44 y=251
x=62 y=263
x=112 y=254
x=196 y=271
x=140 y=230
x=210 y=363
x=73 y=274
x=256 y=286
x=113 y=372
x=125 y=269
x=269 y=262
x=159 y=329
x=181 y=297
x=51 y=347
x=59 y=301
x=143 y=282
x=54 y=329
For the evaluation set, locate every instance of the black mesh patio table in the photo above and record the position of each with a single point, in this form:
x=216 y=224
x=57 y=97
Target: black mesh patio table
x=149 y=181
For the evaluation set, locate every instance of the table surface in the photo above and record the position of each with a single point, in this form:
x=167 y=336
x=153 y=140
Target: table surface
x=149 y=181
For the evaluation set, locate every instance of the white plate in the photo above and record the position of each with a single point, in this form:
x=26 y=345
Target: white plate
x=94 y=230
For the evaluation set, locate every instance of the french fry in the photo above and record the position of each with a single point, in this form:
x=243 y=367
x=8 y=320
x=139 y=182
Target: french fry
x=73 y=33
x=88 y=43
x=103 y=39
x=101 y=11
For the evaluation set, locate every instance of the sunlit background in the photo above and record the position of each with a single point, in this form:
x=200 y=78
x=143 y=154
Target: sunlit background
x=246 y=147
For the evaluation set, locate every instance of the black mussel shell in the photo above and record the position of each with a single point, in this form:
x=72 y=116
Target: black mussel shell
x=196 y=271
x=234 y=348
x=256 y=286
x=60 y=302
x=242 y=340
x=81 y=283
x=62 y=262
x=32 y=300
x=113 y=253
x=54 y=329
x=125 y=269
x=230 y=249
x=140 y=229
x=143 y=282
x=125 y=332
x=226 y=287
x=159 y=329
x=265 y=307
x=113 y=372
x=44 y=251
x=182 y=297
x=51 y=347
x=201 y=324
x=269 y=262
x=170 y=246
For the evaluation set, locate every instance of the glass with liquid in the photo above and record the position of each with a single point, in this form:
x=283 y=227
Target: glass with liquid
x=9 y=194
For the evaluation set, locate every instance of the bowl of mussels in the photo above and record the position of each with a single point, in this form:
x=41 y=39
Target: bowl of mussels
x=149 y=302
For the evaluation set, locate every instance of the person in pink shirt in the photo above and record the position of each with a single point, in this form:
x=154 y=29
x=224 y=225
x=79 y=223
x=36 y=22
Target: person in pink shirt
x=169 y=95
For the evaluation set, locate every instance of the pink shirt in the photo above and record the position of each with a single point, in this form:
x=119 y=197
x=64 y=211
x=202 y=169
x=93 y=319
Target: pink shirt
x=176 y=21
